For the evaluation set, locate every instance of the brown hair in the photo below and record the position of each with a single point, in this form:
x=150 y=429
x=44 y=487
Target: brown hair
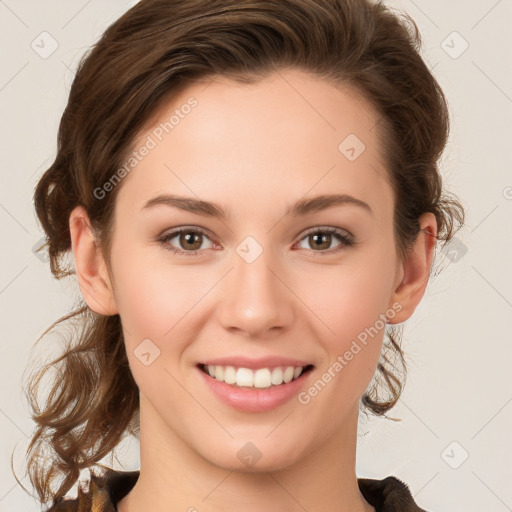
x=133 y=70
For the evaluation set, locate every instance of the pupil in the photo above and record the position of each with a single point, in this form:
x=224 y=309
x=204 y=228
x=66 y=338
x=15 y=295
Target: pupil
x=189 y=237
x=322 y=239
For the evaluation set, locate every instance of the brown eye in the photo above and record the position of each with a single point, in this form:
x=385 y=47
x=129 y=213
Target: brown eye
x=189 y=241
x=321 y=239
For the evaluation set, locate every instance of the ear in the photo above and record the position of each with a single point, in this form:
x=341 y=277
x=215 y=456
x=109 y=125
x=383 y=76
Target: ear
x=413 y=273
x=91 y=270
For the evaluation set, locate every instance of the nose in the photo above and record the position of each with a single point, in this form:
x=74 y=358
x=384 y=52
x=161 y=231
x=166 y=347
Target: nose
x=255 y=299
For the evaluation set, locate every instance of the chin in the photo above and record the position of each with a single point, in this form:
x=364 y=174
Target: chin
x=253 y=456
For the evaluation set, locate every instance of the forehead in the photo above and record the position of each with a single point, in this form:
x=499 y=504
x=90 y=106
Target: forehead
x=246 y=145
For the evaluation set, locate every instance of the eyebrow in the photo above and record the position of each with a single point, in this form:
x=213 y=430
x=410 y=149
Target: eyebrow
x=300 y=208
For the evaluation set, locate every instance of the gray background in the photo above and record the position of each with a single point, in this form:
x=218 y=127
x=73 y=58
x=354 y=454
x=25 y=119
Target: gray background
x=453 y=447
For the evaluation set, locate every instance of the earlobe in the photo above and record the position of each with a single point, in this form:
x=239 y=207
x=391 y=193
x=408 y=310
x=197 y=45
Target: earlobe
x=90 y=267
x=415 y=270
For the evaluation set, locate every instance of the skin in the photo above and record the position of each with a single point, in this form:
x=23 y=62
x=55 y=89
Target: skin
x=254 y=149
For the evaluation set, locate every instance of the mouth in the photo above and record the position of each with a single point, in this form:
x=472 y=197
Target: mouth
x=261 y=378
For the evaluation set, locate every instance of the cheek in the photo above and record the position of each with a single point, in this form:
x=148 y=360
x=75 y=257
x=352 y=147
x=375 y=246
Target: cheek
x=353 y=348
x=351 y=304
x=158 y=305
x=152 y=297
x=153 y=304
x=347 y=301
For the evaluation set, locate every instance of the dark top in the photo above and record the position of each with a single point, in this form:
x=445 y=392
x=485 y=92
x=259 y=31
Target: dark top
x=387 y=495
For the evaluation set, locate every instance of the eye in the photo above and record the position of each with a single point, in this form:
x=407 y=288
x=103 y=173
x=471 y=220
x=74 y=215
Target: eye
x=321 y=238
x=189 y=238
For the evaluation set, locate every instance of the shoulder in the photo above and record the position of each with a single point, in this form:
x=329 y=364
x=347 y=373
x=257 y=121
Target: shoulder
x=103 y=492
x=67 y=505
x=389 y=494
x=93 y=500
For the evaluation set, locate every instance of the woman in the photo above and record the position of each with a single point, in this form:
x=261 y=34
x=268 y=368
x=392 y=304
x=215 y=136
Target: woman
x=251 y=195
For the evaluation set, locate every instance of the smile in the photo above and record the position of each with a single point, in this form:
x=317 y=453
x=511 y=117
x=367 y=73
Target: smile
x=261 y=378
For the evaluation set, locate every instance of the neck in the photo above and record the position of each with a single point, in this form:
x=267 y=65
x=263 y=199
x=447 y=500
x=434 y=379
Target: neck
x=173 y=477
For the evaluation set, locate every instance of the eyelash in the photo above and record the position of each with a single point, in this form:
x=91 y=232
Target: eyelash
x=343 y=236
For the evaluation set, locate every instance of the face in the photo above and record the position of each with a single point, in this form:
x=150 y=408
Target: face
x=266 y=279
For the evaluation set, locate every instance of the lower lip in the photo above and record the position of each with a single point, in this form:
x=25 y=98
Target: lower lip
x=254 y=399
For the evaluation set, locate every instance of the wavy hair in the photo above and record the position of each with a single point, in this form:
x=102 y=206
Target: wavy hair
x=133 y=69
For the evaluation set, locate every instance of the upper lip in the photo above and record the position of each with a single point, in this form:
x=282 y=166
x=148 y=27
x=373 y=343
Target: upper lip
x=263 y=362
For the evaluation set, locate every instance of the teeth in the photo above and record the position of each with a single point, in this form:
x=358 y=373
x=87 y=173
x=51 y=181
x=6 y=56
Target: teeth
x=219 y=372
x=261 y=378
x=277 y=376
x=288 y=374
x=245 y=377
x=227 y=374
